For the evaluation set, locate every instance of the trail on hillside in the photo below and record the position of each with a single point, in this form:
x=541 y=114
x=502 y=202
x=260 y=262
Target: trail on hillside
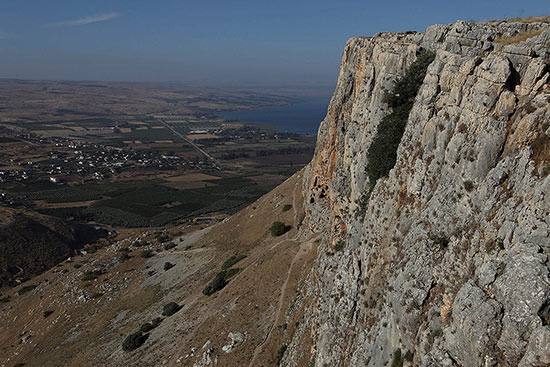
x=303 y=250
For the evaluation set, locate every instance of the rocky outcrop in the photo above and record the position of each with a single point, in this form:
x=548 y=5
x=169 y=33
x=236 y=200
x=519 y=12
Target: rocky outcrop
x=445 y=262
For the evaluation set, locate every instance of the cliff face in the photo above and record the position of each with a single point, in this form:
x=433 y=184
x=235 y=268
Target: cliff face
x=445 y=263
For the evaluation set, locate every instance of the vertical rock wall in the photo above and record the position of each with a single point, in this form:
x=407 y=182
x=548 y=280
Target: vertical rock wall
x=446 y=263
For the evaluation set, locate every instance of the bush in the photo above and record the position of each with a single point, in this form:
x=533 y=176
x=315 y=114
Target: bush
x=287 y=207
x=169 y=246
x=146 y=254
x=398 y=359
x=278 y=229
x=170 y=309
x=382 y=153
x=281 y=353
x=339 y=245
x=96 y=295
x=362 y=203
x=162 y=237
x=47 y=313
x=232 y=261
x=26 y=289
x=156 y=321
x=441 y=241
x=220 y=280
x=468 y=185
x=123 y=257
x=168 y=266
x=216 y=284
x=134 y=341
x=91 y=275
x=148 y=326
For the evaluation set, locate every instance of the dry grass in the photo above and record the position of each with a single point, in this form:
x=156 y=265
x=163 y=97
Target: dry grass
x=534 y=19
x=541 y=149
x=520 y=37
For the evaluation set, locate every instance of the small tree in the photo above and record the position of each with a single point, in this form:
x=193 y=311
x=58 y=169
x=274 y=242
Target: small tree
x=134 y=341
x=281 y=354
x=168 y=266
x=170 y=309
x=216 y=284
x=146 y=254
x=278 y=229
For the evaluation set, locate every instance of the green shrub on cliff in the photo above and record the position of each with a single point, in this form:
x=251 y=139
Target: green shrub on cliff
x=382 y=153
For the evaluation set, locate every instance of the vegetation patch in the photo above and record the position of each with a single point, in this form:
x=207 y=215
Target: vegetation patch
x=146 y=254
x=91 y=275
x=534 y=19
x=278 y=229
x=134 y=341
x=124 y=255
x=26 y=289
x=520 y=37
x=232 y=261
x=148 y=326
x=287 y=207
x=169 y=246
x=441 y=241
x=170 y=308
x=398 y=359
x=382 y=153
x=541 y=149
x=281 y=353
x=468 y=185
x=220 y=281
x=362 y=203
x=339 y=245
x=168 y=266
x=47 y=313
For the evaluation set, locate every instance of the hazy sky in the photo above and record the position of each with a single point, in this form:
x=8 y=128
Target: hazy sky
x=210 y=42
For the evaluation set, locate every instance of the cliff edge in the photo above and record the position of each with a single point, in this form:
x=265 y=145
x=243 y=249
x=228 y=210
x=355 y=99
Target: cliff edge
x=444 y=261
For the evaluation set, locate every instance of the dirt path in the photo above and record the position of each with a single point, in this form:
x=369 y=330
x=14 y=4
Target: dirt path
x=303 y=250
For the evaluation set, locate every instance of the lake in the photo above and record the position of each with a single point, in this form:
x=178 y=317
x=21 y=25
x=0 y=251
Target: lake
x=301 y=118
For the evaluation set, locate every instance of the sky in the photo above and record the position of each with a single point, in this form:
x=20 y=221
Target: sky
x=211 y=42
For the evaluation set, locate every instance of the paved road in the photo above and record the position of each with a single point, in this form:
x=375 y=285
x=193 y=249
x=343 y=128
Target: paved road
x=195 y=146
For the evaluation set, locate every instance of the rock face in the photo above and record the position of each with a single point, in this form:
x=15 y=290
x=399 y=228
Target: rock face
x=446 y=262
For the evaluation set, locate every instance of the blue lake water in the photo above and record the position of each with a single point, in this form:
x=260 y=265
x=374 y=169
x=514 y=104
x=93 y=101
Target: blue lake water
x=301 y=118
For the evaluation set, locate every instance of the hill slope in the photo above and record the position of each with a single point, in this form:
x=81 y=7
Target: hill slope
x=31 y=243
x=95 y=301
x=419 y=233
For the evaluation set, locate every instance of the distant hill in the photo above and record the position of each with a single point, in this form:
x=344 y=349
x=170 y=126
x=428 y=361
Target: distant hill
x=31 y=243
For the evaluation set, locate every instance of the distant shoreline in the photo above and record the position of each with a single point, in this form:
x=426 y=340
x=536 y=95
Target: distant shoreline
x=300 y=118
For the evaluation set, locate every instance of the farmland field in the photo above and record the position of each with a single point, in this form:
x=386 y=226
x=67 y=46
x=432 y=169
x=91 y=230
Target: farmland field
x=147 y=203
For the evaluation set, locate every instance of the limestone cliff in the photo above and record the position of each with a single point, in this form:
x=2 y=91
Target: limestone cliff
x=446 y=262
